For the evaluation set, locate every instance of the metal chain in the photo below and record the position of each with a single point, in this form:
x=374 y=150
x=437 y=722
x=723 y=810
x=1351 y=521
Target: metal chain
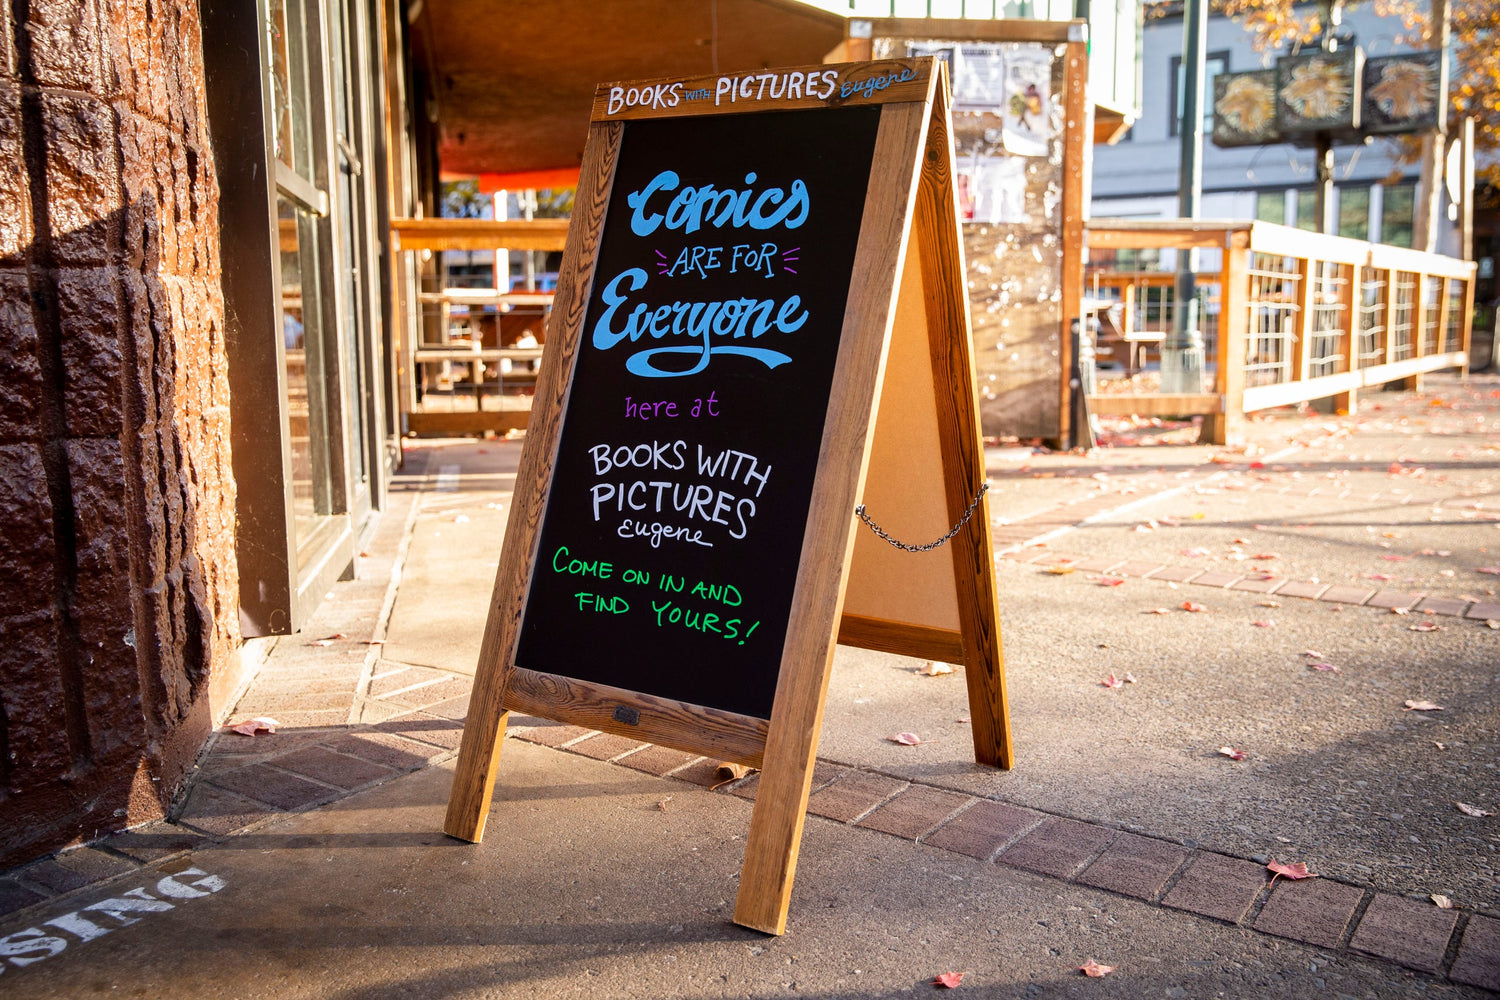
x=860 y=511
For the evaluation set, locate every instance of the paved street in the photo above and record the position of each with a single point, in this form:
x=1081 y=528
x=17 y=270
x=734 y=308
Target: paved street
x=1288 y=600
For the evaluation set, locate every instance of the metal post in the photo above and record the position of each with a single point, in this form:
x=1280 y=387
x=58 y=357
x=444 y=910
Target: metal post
x=1323 y=200
x=1182 y=349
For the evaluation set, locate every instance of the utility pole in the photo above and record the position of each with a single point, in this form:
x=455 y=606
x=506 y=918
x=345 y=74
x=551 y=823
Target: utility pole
x=1429 y=188
x=1182 y=349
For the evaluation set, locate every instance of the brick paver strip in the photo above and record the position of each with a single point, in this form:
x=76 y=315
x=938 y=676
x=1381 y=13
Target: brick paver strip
x=220 y=812
x=15 y=896
x=1394 y=599
x=605 y=746
x=332 y=768
x=915 y=811
x=1058 y=847
x=1258 y=585
x=853 y=795
x=657 y=760
x=823 y=773
x=1442 y=606
x=1315 y=911
x=383 y=748
x=1478 y=961
x=1135 y=866
x=1217 y=578
x=1137 y=568
x=445 y=733
x=69 y=871
x=153 y=841
x=1484 y=612
x=456 y=709
x=1301 y=588
x=1342 y=594
x=1216 y=886
x=273 y=787
x=431 y=694
x=554 y=736
x=1097 y=564
x=1175 y=574
x=1405 y=931
x=983 y=829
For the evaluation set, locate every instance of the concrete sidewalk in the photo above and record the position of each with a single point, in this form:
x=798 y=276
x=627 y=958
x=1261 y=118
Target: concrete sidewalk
x=1123 y=834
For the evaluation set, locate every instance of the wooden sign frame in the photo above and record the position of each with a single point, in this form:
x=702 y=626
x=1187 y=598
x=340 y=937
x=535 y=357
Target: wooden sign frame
x=908 y=288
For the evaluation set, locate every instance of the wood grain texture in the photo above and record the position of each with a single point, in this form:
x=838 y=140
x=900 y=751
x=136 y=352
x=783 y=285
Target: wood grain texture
x=479 y=753
x=663 y=721
x=944 y=279
x=479 y=234
x=752 y=91
x=791 y=746
x=901 y=638
x=1228 y=426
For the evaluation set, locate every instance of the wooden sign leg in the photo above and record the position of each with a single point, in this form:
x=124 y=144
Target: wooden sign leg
x=479 y=753
x=935 y=231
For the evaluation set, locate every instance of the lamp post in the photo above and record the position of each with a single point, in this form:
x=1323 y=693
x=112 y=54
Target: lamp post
x=1182 y=348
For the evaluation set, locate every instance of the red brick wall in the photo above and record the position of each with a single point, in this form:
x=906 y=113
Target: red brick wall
x=117 y=567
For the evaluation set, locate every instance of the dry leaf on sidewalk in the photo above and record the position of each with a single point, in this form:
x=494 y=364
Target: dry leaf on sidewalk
x=1292 y=870
x=1422 y=706
x=1112 y=682
x=935 y=668
x=1094 y=970
x=253 y=726
x=1327 y=668
x=1423 y=627
x=1474 y=811
x=328 y=640
x=948 y=980
x=1233 y=754
x=908 y=739
x=1193 y=606
x=1443 y=902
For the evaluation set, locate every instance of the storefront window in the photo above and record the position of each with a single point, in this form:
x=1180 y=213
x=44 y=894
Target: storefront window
x=1396 y=215
x=290 y=134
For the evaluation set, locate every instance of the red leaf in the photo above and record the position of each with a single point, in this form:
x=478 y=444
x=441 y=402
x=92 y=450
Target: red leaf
x=1108 y=581
x=1112 y=682
x=907 y=739
x=1492 y=570
x=1423 y=627
x=1422 y=706
x=949 y=980
x=1266 y=555
x=1391 y=558
x=1094 y=970
x=1325 y=667
x=1264 y=623
x=1292 y=870
x=1233 y=754
x=1191 y=606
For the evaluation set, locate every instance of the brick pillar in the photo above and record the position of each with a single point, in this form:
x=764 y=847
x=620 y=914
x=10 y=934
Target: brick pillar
x=117 y=564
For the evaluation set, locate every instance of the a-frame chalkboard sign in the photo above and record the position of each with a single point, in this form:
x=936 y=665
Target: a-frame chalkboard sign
x=760 y=324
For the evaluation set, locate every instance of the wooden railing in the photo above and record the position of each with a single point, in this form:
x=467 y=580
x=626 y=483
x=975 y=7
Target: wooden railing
x=1289 y=316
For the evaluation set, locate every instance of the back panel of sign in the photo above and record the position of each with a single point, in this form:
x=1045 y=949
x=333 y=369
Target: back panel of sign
x=674 y=524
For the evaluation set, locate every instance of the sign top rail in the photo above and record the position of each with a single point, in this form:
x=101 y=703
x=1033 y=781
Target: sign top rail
x=837 y=85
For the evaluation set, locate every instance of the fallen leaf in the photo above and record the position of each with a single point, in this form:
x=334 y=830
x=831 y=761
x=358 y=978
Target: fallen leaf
x=1264 y=623
x=1391 y=558
x=1112 y=682
x=1195 y=552
x=1440 y=744
x=949 y=980
x=1191 y=606
x=1474 y=811
x=935 y=668
x=1312 y=654
x=1059 y=570
x=662 y=805
x=253 y=726
x=1233 y=754
x=1443 y=902
x=1129 y=678
x=1492 y=570
x=1327 y=668
x=1492 y=623
x=1401 y=611
x=1094 y=970
x=328 y=640
x=1292 y=870
x=730 y=771
x=1422 y=706
x=1266 y=555
x=907 y=739
x=1268 y=604
x=1157 y=611
x=1108 y=581
x=1423 y=627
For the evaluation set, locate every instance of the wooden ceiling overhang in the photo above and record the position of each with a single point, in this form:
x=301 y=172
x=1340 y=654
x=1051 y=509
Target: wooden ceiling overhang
x=513 y=82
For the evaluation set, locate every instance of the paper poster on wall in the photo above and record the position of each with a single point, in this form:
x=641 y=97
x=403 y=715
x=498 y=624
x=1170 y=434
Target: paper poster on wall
x=976 y=73
x=992 y=189
x=1027 y=111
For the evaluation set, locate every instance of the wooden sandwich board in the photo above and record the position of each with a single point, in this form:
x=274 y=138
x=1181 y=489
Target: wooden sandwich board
x=760 y=324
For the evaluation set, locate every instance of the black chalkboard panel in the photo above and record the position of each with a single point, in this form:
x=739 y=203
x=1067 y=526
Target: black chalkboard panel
x=672 y=533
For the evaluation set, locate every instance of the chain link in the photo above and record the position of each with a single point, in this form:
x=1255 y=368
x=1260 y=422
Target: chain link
x=860 y=511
